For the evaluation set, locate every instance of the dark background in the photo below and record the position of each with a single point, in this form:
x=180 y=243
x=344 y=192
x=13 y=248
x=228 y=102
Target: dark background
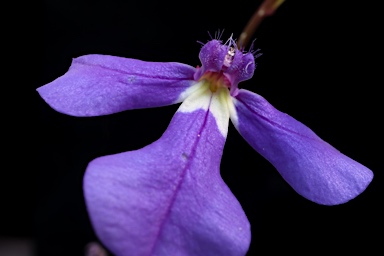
x=316 y=66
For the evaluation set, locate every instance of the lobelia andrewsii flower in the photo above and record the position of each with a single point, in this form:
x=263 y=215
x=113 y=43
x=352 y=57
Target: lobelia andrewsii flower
x=168 y=198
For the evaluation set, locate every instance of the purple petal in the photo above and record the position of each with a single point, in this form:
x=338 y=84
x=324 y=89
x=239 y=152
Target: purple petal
x=315 y=169
x=99 y=85
x=242 y=68
x=168 y=198
x=211 y=56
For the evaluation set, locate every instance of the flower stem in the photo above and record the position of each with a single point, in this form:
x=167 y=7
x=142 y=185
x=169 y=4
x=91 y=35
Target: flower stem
x=267 y=8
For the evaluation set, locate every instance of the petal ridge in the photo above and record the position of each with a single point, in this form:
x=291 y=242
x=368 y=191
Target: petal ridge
x=181 y=180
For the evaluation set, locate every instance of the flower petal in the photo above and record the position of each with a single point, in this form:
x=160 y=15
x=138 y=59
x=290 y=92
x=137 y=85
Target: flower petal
x=168 y=198
x=101 y=84
x=212 y=56
x=315 y=169
x=242 y=68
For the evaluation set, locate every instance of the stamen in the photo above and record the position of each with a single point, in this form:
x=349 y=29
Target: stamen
x=229 y=57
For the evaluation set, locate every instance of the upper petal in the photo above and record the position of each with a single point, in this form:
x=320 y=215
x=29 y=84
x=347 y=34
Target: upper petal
x=242 y=68
x=168 y=198
x=315 y=169
x=217 y=57
x=100 y=84
x=211 y=56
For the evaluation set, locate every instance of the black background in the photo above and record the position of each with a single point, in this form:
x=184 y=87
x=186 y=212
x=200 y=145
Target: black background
x=316 y=66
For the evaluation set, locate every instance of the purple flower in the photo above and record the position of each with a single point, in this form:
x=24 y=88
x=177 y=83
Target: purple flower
x=168 y=198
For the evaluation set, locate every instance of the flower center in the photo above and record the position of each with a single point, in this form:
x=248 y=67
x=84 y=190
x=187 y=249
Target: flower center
x=215 y=80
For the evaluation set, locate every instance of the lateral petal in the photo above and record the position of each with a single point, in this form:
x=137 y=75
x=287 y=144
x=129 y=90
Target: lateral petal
x=313 y=168
x=100 y=85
